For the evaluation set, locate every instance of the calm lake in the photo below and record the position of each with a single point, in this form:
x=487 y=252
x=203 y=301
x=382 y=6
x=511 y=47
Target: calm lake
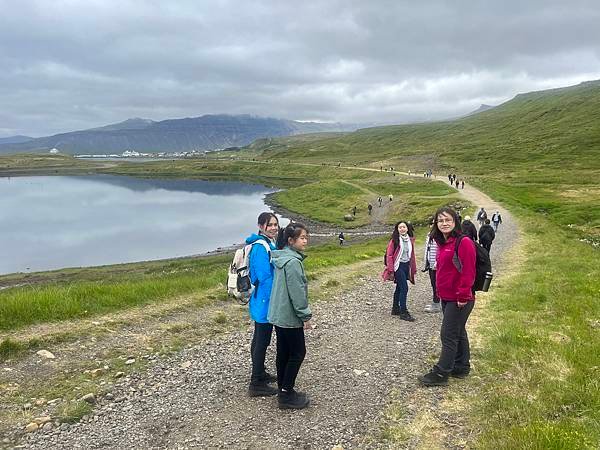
x=56 y=222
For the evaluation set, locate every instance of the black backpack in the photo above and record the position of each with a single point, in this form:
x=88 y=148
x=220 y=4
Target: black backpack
x=483 y=263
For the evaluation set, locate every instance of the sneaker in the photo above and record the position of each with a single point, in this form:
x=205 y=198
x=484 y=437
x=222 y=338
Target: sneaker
x=433 y=308
x=460 y=373
x=261 y=390
x=433 y=378
x=405 y=315
x=292 y=400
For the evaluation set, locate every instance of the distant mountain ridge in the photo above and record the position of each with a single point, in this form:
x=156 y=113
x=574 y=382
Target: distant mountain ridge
x=15 y=139
x=208 y=132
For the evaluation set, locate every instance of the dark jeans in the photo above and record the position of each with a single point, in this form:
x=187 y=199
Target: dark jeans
x=455 y=342
x=435 y=299
x=258 y=349
x=291 y=350
x=401 y=291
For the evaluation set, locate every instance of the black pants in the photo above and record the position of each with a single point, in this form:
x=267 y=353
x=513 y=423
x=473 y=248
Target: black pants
x=400 y=294
x=291 y=350
x=260 y=341
x=435 y=298
x=455 y=342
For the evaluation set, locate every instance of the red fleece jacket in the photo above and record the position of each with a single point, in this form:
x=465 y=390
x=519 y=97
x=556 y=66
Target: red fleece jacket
x=451 y=284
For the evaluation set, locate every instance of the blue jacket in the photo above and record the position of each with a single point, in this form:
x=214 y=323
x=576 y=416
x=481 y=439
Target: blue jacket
x=261 y=275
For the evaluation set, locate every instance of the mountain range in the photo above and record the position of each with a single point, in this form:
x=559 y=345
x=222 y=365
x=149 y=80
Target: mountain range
x=208 y=132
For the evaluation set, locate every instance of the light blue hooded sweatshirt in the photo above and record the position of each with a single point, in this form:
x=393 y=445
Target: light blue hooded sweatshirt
x=261 y=276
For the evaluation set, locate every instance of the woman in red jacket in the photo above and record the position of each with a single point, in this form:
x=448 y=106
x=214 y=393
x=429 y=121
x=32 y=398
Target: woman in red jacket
x=454 y=282
x=401 y=266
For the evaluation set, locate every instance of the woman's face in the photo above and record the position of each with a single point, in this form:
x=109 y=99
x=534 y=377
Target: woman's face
x=300 y=242
x=402 y=228
x=271 y=228
x=445 y=223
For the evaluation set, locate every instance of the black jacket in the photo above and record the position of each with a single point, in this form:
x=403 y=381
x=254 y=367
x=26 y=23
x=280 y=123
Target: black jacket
x=486 y=234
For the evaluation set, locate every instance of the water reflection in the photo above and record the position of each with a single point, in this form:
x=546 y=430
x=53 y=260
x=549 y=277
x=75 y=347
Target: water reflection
x=54 y=222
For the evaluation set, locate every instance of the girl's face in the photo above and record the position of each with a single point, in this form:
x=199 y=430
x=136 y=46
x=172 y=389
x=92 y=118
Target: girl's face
x=300 y=242
x=270 y=228
x=402 y=228
x=445 y=223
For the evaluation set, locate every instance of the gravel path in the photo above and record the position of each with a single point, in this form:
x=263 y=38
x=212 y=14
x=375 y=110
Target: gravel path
x=356 y=356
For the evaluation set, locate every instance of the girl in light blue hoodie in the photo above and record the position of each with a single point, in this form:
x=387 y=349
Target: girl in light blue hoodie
x=261 y=276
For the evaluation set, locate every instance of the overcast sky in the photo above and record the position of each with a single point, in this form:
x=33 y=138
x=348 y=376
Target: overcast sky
x=68 y=65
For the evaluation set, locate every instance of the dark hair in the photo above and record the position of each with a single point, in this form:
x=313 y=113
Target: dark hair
x=264 y=218
x=293 y=231
x=396 y=233
x=487 y=221
x=437 y=234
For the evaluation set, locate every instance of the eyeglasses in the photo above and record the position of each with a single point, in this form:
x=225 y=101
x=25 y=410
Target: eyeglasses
x=445 y=221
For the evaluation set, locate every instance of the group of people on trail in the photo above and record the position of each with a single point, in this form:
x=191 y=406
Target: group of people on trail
x=453 y=179
x=279 y=300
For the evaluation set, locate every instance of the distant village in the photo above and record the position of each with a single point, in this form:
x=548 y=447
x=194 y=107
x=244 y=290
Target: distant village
x=134 y=154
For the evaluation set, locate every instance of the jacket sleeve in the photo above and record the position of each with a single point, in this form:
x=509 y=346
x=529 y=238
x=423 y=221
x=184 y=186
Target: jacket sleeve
x=389 y=260
x=260 y=270
x=297 y=290
x=467 y=256
x=413 y=262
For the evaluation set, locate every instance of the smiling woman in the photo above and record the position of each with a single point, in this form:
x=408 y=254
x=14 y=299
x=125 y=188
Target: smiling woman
x=85 y=221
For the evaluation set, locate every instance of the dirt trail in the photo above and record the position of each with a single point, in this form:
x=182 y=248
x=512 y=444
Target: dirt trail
x=358 y=358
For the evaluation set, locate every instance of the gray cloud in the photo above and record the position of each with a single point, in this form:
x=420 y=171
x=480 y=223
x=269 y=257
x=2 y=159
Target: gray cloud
x=71 y=64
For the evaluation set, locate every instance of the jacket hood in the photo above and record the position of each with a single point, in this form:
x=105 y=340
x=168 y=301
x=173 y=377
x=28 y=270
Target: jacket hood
x=255 y=237
x=280 y=258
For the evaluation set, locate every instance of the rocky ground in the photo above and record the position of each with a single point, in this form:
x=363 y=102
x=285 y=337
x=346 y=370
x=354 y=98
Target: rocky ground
x=359 y=358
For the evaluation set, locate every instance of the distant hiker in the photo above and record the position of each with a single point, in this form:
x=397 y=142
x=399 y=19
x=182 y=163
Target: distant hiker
x=290 y=313
x=487 y=235
x=354 y=211
x=450 y=178
x=381 y=168
x=401 y=266
x=430 y=266
x=370 y=208
x=456 y=184
x=391 y=197
x=454 y=290
x=469 y=229
x=462 y=184
x=380 y=201
x=341 y=237
x=261 y=276
x=496 y=220
x=481 y=216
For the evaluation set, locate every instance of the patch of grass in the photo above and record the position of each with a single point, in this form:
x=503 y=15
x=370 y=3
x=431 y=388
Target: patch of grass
x=331 y=283
x=220 y=318
x=10 y=348
x=73 y=411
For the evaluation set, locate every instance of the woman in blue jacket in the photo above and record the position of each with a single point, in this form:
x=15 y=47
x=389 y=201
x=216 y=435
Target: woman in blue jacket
x=261 y=275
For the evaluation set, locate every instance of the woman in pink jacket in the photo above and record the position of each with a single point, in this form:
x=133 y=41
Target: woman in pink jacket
x=454 y=282
x=401 y=266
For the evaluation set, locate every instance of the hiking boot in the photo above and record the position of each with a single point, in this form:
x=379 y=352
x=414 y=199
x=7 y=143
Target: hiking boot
x=292 y=400
x=405 y=315
x=433 y=308
x=268 y=378
x=433 y=378
x=460 y=373
x=261 y=390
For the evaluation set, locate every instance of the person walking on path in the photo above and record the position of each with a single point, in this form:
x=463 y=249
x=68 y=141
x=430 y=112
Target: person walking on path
x=380 y=200
x=370 y=208
x=401 y=266
x=469 y=229
x=462 y=184
x=455 y=290
x=486 y=235
x=430 y=266
x=456 y=184
x=290 y=313
x=391 y=197
x=354 y=211
x=341 y=237
x=261 y=276
x=496 y=220
x=481 y=216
